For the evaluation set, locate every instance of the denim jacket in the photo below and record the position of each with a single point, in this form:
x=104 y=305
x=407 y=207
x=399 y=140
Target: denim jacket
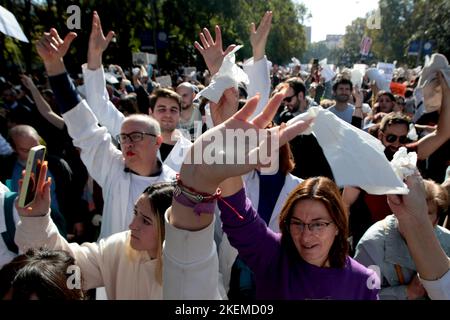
x=383 y=246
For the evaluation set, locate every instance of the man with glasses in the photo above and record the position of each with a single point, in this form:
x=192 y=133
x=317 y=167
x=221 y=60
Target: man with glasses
x=296 y=101
x=308 y=154
x=393 y=134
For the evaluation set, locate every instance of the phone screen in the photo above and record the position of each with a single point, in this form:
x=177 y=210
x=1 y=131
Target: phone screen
x=33 y=170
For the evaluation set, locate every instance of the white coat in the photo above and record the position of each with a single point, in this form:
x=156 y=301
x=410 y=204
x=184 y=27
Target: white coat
x=106 y=165
x=111 y=118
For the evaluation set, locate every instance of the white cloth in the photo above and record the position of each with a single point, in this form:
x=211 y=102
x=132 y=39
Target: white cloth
x=112 y=119
x=259 y=82
x=228 y=76
x=350 y=152
x=190 y=264
x=381 y=82
x=227 y=253
x=106 y=165
x=438 y=289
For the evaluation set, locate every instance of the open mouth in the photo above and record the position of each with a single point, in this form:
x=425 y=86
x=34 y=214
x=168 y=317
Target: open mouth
x=309 y=247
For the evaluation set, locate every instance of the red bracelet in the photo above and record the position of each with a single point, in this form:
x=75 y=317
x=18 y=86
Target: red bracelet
x=195 y=195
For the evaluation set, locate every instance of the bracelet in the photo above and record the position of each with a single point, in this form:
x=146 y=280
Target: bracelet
x=201 y=202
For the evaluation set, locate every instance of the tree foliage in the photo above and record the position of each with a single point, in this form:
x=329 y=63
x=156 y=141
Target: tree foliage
x=402 y=21
x=138 y=22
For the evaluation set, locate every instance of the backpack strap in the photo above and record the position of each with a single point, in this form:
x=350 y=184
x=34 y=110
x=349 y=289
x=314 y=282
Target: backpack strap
x=8 y=235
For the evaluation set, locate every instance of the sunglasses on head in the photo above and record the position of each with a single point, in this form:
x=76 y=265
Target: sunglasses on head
x=391 y=138
x=289 y=99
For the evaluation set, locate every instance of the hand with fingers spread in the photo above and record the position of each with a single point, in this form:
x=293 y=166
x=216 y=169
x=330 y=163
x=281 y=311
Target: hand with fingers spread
x=209 y=174
x=212 y=50
x=97 y=43
x=51 y=48
x=41 y=204
x=258 y=37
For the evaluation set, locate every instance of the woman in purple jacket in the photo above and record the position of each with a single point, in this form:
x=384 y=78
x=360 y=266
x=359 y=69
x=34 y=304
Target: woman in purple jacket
x=309 y=259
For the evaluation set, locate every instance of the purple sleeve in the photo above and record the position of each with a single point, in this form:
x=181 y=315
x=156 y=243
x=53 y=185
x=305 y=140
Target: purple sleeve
x=257 y=245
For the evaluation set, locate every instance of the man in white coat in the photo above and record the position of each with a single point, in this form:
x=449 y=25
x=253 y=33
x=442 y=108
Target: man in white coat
x=164 y=104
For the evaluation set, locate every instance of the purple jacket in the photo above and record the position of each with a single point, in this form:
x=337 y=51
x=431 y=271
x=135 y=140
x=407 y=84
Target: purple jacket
x=279 y=276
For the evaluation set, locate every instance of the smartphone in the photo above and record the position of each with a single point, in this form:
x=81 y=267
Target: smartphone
x=32 y=172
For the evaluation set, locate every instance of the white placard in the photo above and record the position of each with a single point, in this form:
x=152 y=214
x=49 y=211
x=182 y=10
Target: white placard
x=164 y=81
x=387 y=69
x=144 y=58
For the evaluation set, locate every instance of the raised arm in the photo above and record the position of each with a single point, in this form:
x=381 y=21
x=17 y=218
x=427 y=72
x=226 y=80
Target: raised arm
x=43 y=107
x=431 y=261
x=211 y=50
x=99 y=155
x=430 y=143
x=36 y=229
x=96 y=94
x=257 y=67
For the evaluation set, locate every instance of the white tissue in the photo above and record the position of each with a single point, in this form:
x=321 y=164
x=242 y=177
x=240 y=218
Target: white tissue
x=404 y=163
x=229 y=75
x=355 y=157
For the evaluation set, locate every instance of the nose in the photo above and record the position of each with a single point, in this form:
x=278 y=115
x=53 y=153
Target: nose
x=306 y=234
x=133 y=225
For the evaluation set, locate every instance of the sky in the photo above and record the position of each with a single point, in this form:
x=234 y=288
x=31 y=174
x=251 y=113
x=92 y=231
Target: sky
x=332 y=16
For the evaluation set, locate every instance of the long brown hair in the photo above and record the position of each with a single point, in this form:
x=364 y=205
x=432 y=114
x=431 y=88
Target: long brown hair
x=324 y=190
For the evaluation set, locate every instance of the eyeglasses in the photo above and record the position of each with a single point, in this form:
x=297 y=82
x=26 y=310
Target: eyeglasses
x=315 y=227
x=132 y=137
x=391 y=138
x=289 y=99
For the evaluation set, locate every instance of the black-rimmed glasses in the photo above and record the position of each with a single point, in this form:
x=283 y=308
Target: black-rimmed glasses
x=315 y=227
x=132 y=137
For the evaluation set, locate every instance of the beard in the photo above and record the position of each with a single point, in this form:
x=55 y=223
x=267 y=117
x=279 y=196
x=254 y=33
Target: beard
x=342 y=98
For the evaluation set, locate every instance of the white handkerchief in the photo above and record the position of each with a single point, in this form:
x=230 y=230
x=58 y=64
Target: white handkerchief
x=355 y=157
x=229 y=75
x=404 y=163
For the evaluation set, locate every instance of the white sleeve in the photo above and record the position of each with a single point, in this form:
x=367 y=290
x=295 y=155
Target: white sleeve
x=101 y=158
x=98 y=100
x=438 y=289
x=41 y=232
x=258 y=74
x=191 y=266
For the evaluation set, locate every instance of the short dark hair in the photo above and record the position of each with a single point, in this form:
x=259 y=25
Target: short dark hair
x=387 y=94
x=297 y=85
x=342 y=81
x=164 y=93
x=394 y=118
x=39 y=272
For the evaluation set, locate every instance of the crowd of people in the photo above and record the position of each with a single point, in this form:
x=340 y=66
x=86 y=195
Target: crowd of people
x=122 y=197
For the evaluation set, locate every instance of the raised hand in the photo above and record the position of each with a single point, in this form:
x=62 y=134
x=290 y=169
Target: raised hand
x=41 y=204
x=412 y=205
x=27 y=81
x=211 y=50
x=258 y=37
x=209 y=173
x=97 y=43
x=51 y=48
